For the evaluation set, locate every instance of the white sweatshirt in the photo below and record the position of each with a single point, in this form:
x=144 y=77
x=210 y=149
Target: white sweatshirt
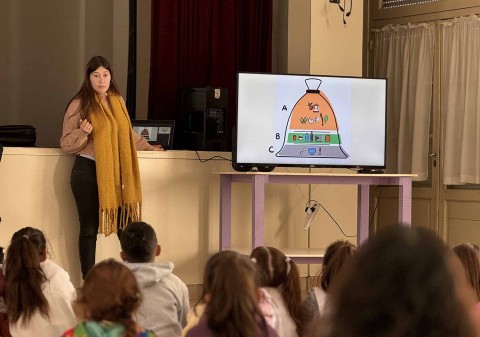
x=60 y=293
x=165 y=301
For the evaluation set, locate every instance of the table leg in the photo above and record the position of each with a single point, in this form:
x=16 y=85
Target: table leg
x=363 y=209
x=225 y=211
x=258 y=199
x=405 y=201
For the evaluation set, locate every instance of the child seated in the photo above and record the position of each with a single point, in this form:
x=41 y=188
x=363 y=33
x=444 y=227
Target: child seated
x=38 y=293
x=231 y=299
x=107 y=302
x=280 y=278
x=403 y=282
x=166 y=303
x=469 y=256
x=336 y=256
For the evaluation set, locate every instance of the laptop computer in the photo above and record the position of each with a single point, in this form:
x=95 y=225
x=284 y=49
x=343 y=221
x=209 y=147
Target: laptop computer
x=156 y=132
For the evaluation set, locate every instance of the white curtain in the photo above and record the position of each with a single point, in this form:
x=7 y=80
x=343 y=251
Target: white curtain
x=461 y=100
x=404 y=55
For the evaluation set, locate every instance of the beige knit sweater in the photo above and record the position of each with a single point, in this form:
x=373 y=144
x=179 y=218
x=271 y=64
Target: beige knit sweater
x=74 y=140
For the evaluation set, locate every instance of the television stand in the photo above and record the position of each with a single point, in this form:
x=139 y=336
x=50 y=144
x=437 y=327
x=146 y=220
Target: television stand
x=258 y=181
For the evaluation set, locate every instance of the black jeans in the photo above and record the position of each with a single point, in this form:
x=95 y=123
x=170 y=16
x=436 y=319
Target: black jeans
x=83 y=181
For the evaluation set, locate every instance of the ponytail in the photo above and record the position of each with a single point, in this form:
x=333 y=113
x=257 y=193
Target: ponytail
x=292 y=296
x=274 y=269
x=24 y=276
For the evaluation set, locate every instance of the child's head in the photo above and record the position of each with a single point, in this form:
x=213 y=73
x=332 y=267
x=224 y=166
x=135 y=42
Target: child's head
x=24 y=276
x=230 y=293
x=469 y=256
x=336 y=255
x=139 y=243
x=109 y=292
x=274 y=269
x=402 y=282
x=29 y=239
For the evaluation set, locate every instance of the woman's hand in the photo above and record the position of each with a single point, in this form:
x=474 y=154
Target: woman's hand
x=158 y=148
x=85 y=126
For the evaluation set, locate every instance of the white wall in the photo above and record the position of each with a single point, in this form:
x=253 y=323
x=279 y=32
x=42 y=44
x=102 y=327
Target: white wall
x=299 y=35
x=45 y=46
x=42 y=59
x=336 y=49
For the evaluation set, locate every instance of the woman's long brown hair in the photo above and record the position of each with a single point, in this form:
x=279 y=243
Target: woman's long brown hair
x=86 y=94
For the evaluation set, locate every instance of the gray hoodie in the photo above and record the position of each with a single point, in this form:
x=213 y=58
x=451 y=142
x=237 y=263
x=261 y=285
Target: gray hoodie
x=165 y=301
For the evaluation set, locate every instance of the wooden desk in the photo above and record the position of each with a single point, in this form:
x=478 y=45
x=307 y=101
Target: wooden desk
x=259 y=179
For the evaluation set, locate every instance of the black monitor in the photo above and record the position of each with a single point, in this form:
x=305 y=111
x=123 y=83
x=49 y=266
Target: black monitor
x=311 y=121
x=156 y=132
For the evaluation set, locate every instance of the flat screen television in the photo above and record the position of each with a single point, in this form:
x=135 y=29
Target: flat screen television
x=310 y=121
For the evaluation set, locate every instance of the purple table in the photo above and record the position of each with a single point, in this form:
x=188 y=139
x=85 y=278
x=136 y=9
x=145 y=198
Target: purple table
x=259 y=179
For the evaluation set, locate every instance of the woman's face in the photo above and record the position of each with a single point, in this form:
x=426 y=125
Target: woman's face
x=100 y=80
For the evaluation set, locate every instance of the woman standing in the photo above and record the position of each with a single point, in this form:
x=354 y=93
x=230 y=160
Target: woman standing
x=105 y=178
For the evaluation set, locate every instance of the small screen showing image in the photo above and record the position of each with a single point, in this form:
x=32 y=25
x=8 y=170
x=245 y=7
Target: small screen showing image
x=150 y=133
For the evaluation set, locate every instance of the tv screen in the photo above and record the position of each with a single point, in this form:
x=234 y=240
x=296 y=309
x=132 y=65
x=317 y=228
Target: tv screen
x=310 y=120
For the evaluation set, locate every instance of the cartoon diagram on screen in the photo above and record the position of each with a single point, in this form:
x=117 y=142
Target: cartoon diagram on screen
x=312 y=129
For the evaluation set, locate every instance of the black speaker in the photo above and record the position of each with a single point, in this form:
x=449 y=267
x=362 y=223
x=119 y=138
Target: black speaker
x=205 y=130
x=204 y=119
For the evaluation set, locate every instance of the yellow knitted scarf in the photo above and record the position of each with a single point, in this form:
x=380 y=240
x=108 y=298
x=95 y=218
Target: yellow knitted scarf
x=118 y=176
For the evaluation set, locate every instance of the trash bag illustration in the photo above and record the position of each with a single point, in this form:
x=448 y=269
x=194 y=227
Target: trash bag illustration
x=312 y=129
